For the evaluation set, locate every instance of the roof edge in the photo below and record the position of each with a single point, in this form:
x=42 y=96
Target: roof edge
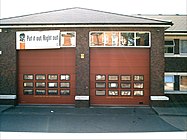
x=36 y=13
x=84 y=25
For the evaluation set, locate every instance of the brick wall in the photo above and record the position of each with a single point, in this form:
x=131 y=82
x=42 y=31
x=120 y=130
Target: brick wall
x=8 y=59
x=157 y=62
x=175 y=64
x=8 y=73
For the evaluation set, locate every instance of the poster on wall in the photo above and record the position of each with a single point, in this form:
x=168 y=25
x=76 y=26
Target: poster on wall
x=37 y=39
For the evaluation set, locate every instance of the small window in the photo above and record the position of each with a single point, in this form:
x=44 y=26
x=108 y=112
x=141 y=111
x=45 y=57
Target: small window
x=40 y=84
x=138 y=93
x=169 y=46
x=52 y=92
x=52 y=84
x=125 y=78
x=125 y=93
x=138 y=77
x=100 y=85
x=142 y=39
x=169 y=43
x=113 y=92
x=97 y=39
x=28 y=77
x=169 y=49
x=65 y=77
x=100 y=92
x=40 y=77
x=52 y=77
x=40 y=92
x=111 y=39
x=28 y=84
x=113 y=78
x=64 y=92
x=113 y=85
x=68 y=39
x=169 y=79
x=127 y=39
x=183 y=83
x=28 y=92
x=183 y=47
x=125 y=85
x=169 y=82
x=65 y=85
x=138 y=85
x=100 y=77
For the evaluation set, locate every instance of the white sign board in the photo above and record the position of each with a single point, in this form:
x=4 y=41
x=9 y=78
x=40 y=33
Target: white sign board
x=37 y=39
x=81 y=97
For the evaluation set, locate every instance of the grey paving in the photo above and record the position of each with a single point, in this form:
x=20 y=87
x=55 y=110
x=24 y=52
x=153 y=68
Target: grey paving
x=5 y=107
x=176 y=116
x=63 y=119
x=171 y=111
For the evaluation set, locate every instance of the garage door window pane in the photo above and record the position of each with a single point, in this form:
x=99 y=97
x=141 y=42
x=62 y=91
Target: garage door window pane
x=28 y=77
x=125 y=92
x=113 y=85
x=64 y=85
x=52 y=85
x=100 y=85
x=40 y=77
x=138 y=85
x=138 y=93
x=40 y=84
x=28 y=84
x=28 y=92
x=100 y=77
x=125 y=77
x=40 y=92
x=52 y=77
x=138 y=77
x=100 y=92
x=183 y=83
x=113 y=77
x=65 y=77
x=125 y=85
x=64 y=92
x=53 y=92
x=113 y=92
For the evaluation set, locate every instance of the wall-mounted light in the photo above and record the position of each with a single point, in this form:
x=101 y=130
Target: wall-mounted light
x=82 y=56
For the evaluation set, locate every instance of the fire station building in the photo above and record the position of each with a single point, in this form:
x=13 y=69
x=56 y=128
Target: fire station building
x=82 y=57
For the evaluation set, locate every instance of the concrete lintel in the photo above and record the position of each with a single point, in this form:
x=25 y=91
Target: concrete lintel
x=7 y=96
x=159 y=98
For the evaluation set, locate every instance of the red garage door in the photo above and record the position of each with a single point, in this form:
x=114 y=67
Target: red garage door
x=46 y=76
x=119 y=76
